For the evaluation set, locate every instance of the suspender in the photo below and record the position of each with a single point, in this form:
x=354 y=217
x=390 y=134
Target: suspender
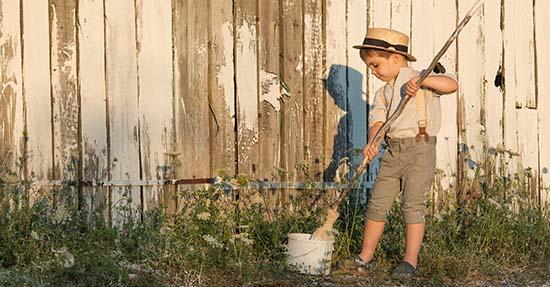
x=420 y=109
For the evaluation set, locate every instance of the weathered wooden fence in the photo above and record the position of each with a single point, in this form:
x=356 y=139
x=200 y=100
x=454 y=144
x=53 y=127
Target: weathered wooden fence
x=127 y=93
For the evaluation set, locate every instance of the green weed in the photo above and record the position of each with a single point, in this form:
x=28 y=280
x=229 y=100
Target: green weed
x=216 y=239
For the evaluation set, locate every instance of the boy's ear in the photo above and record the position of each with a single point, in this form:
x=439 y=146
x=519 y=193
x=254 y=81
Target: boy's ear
x=397 y=58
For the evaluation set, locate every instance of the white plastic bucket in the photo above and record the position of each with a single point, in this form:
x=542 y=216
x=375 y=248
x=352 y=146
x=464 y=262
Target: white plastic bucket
x=309 y=256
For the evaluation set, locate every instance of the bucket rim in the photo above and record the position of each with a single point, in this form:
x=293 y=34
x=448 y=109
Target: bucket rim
x=307 y=235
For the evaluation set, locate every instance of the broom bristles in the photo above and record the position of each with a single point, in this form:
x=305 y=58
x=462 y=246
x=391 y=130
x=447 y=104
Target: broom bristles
x=324 y=233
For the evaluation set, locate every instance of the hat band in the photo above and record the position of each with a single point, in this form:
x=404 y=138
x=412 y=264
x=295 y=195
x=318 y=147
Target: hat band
x=384 y=44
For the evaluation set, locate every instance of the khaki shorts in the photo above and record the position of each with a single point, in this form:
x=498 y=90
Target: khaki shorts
x=409 y=166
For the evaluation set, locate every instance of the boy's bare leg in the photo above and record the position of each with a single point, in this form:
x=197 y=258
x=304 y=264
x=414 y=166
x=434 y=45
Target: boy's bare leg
x=413 y=240
x=371 y=236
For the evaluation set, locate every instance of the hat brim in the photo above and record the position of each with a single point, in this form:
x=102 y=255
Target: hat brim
x=408 y=56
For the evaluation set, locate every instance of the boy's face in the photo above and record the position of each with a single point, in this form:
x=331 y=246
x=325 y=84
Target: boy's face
x=385 y=69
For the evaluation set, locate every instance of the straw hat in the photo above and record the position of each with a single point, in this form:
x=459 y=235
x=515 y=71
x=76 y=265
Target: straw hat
x=387 y=40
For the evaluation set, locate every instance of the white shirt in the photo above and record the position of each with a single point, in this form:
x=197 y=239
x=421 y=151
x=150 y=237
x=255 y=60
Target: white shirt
x=406 y=125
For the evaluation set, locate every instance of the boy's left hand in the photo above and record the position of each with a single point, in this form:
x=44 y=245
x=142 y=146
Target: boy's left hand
x=412 y=87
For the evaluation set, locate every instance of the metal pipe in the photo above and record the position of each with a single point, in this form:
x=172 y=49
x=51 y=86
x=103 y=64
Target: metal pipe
x=261 y=185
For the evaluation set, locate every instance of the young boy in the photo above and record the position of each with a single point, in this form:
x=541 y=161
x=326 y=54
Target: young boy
x=409 y=163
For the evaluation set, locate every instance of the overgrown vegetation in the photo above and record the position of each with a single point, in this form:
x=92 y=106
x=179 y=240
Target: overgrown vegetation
x=216 y=239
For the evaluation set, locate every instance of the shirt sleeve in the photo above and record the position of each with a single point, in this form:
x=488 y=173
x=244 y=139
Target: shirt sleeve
x=378 y=112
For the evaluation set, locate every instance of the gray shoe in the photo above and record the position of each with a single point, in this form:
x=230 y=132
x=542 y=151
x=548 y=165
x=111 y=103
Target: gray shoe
x=404 y=270
x=365 y=265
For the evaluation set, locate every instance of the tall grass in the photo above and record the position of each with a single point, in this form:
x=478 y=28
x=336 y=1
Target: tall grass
x=215 y=239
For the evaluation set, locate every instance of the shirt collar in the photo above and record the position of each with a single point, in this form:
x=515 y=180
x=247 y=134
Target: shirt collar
x=403 y=76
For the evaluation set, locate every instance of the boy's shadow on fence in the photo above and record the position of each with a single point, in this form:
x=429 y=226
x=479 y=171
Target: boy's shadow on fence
x=345 y=86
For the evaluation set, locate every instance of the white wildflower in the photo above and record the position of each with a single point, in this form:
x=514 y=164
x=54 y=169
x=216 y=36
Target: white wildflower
x=243 y=237
x=247 y=241
x=203 y=216
x=233 y=183
x=35 y=235
x=494 y=202
x=212 y=241
x=68 y=258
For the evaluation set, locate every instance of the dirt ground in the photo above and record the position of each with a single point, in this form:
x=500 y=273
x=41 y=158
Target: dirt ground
x=346 y=276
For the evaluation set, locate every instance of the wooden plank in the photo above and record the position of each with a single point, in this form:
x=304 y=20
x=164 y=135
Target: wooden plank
x=191 y=78
x=356 y=78
x=314 y=51
x=222 y=128
x=443 y=26
x=121 y=74
x=196 y=107
x=471 y=103
x=292 y=66
x=191 y=82
x=510 y=117
x=65 y=97
x=182 y=129
x=522 y=65
x=522 y=48
x=336 y=126
x=154 y=38
x=528 y=152
x=493 y=63
x=381 y=13
x=380 y=17
x=91 y=79
x=421 y=32
x=246 y=63
x=269 y=29
x=12 y=120
x=542 y=46
x=400 y=15
x=37 y=93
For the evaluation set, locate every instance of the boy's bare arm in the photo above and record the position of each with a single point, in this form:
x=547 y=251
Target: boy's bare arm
x=371 y=152
x=438 y=83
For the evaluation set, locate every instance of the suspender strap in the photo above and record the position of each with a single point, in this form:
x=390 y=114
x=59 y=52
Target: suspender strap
x=421 y=111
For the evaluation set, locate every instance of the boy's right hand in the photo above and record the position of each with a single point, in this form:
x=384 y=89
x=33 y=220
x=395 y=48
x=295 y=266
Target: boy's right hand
x=370 y=151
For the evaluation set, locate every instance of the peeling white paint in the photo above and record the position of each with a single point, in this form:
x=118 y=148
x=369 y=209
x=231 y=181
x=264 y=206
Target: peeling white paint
x=11 y=74
x=543 y=72
x=430 y=28
x=471 y=58
x=36 y=72
x=63 y=73
x=155 y=79
x=270 y=89
x=122 y=90
x=92 y=87
x=288 y=5
x=247 y=78
x=300 y=67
